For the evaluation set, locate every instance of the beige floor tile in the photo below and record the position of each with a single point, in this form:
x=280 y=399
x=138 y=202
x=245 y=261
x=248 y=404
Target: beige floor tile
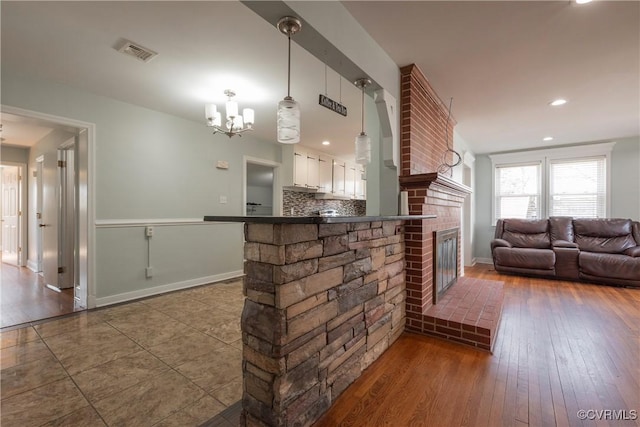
x=85 y=417
x=229 y=393
x=149 y=402
x=227 y=332
x=194 y=415
x=209 y=319
x=72 y=323
x=18 y=336
x=181 y=310
x=42 y=405
x=237 y=344
x=174 y=299
x=27 y=376
x=113 y=377
x=214 y=370
x=150 y=328
x=118 y=311
x=90 y=346
x=185 y=348
x=23 y=353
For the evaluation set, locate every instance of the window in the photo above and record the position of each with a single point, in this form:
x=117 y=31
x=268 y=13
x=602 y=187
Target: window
x=518 y=191
x=568 y=181
x=577 y=188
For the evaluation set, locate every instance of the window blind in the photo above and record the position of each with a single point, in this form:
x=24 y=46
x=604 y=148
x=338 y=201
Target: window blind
x=577 y=187
x=518 y=191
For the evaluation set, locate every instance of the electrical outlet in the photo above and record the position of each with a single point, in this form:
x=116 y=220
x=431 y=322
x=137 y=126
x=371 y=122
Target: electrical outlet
x=149 y=272
x=149 y=231
x=223 y=199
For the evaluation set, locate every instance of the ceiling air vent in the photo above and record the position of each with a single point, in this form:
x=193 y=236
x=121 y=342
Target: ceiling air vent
x=139 y=52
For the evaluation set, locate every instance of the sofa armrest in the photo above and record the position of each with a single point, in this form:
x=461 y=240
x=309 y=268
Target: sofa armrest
x=633 y=252
x=563 y=244
x=500 y=243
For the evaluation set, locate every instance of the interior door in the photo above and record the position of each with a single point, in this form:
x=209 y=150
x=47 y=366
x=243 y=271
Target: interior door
x=67 y=217
x=39 y=205
x=49 y=218
x=10 y=212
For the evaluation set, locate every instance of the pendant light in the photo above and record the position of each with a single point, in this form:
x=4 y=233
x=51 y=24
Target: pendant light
x=288 y=108
x=363 y=142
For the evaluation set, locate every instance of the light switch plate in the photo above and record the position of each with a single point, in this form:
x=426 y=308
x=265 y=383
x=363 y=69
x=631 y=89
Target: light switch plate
x=222 y=164
x=223 y=199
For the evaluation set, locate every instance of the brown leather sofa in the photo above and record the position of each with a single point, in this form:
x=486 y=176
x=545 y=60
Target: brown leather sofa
x=603 y=250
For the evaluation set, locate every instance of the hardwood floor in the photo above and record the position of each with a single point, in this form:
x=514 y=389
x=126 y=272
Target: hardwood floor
x=24 y=297
x=562 y=347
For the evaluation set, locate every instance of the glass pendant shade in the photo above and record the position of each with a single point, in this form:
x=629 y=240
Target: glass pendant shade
x=248 y=116
x=288 y=121
x=232 y=109
x=217 y=120
x=363 y=149
x=210 y=113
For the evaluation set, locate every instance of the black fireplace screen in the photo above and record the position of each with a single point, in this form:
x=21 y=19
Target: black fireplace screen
x=445 y=261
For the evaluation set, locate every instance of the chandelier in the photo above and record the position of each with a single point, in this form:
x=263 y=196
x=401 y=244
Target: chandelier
x=235 y=124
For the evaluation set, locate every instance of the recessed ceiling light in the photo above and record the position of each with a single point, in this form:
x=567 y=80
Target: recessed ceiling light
x=557 y=102
x=547 y=138
x=583 y=1
x=326 y=143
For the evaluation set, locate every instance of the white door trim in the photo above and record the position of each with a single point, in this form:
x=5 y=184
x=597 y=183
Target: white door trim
x=86 y=208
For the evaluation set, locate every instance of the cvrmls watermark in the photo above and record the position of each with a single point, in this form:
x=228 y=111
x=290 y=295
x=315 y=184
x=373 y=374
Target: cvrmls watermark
x=608 y=414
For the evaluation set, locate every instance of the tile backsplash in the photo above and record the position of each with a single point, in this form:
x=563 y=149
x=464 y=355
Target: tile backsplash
x=306 y=204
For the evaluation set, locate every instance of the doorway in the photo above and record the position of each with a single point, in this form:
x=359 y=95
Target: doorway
x=57 y=219
x=261 y=188
x=11 y=207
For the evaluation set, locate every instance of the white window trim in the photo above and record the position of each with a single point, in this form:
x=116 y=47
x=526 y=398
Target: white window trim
x=545 y=157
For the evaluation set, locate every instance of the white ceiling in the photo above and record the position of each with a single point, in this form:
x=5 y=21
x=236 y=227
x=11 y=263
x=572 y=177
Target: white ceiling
x=502 y=62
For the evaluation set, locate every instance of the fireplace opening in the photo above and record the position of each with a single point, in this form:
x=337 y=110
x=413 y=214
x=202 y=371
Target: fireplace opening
x=445 y=261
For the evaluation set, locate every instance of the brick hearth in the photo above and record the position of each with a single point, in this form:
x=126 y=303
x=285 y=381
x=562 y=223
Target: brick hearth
x=468 y=313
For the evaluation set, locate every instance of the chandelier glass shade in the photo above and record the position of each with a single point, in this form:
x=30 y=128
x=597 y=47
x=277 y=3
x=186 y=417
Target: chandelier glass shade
x=235 y=124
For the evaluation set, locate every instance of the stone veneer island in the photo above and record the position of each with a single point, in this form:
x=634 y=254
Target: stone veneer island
x=325 y=297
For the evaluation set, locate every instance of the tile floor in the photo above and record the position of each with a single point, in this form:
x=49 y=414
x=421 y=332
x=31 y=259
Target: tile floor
x=170 y=360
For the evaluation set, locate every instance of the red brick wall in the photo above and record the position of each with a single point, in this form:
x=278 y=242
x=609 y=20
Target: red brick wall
x=423 y=143
x=423 y=117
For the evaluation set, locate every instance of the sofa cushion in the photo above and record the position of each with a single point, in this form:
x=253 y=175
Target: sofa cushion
x=537 y=259
x=524 y=233
x=611 y=236
x=561 y=228
x=609 y=265
x=601 y=227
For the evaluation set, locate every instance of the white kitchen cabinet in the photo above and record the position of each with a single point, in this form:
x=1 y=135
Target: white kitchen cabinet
x=339 y=177
x=361 y=183
x=312 y=171
x=325 y=173
x=300 y=168
x=350 y=180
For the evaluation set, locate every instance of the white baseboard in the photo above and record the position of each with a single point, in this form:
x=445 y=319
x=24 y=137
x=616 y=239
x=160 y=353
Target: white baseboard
x=484 y=260
x=32 y=265
x=142 y=293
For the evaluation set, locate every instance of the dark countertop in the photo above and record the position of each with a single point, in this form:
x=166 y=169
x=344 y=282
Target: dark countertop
x=313 y=219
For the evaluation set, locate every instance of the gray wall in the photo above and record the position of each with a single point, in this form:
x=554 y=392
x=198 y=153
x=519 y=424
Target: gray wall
x=625 y=191
x=151 y=166
x=14 y=154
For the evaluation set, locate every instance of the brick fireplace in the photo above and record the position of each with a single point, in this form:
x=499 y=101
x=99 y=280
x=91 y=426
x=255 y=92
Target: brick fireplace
x=470 y=311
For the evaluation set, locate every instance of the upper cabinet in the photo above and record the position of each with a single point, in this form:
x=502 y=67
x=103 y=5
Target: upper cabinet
x=325 y=173
x=308 y=170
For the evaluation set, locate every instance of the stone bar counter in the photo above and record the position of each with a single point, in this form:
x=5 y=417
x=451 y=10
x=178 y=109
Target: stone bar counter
x=325 y=297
